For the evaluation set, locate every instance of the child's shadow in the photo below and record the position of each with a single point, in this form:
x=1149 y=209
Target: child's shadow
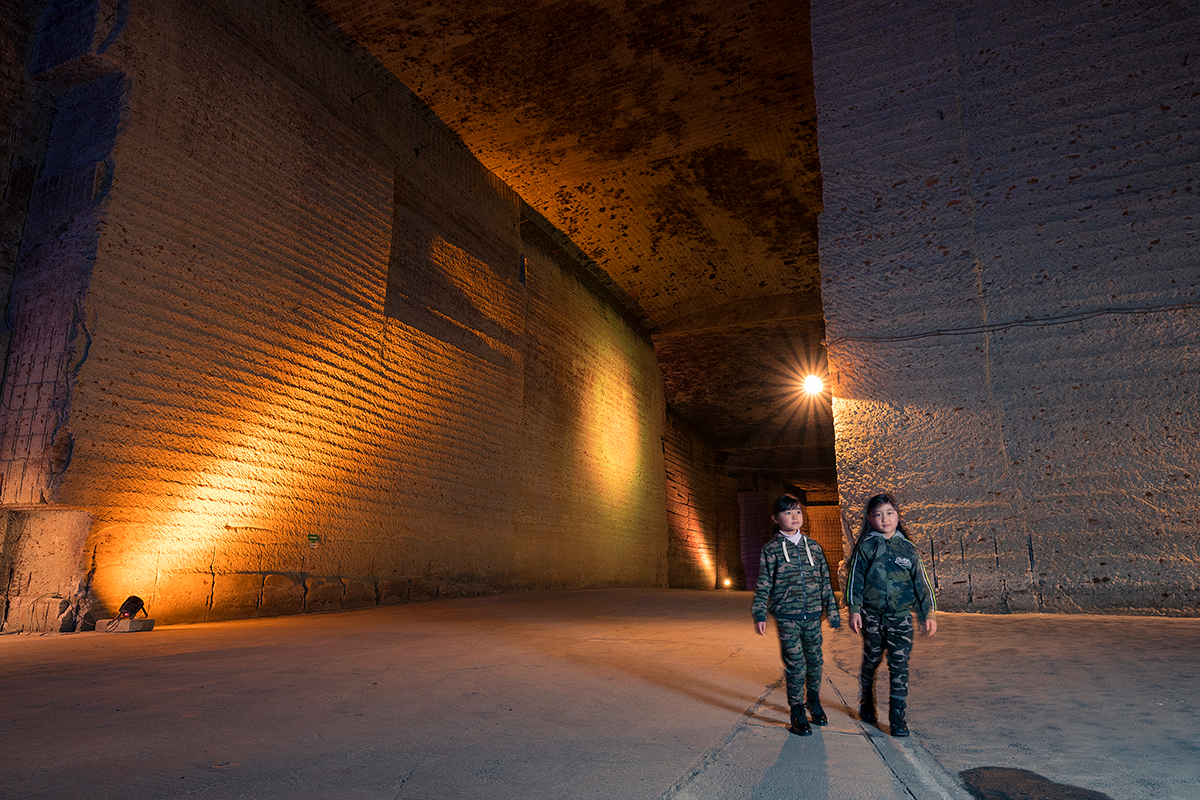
x=800 y=771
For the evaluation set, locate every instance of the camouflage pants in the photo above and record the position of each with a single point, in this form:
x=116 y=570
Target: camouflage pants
x=800 y=644
x=896 y=637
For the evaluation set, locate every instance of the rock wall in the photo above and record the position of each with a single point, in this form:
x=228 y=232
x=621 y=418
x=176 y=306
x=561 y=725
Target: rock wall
x=702 y=513
x=821 y=523
x=22 y=118
x=41 y=585
x=314 y=355
x=824 y=524
x=1009 y=256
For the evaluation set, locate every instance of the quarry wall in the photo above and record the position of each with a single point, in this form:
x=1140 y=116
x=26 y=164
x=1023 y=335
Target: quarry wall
x=704 y=544
x=22 y=118
x=1009 y=258
x=310 y=354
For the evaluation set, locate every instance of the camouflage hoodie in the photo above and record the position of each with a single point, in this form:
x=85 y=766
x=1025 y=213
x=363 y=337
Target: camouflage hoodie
x=793 y=582
x=886 y=577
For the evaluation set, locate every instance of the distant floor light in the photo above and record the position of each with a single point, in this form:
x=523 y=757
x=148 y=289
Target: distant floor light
x=728 y=582
x=813 y=384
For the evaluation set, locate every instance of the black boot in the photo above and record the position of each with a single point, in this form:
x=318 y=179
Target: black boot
x=896 y=720
x=800 y=725
x=866 y=707
x=815 y=711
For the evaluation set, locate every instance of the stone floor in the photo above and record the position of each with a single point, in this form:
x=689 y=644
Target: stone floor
x=1106 y=703
x=623 y=693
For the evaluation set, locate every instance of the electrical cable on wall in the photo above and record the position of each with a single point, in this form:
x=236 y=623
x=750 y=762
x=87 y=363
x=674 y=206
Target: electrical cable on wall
x=1020 y=323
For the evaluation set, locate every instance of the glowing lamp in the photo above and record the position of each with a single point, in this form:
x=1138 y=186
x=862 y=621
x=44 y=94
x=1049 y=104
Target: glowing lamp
x=728 y=583
x=813 y=384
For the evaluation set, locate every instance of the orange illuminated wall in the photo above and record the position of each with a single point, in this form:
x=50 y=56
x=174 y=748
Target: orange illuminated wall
x=695 y=546
x=824 y=524
x=329 y=362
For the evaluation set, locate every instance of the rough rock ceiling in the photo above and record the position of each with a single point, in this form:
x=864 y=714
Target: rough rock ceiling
x=675 y=143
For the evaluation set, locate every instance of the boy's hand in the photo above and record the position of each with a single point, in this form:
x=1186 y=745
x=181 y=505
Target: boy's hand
x=856 y=622
x=761 y=628
x=930 y=627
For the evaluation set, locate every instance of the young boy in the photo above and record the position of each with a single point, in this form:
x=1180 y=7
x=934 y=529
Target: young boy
x=793 y=586
x=885 y=582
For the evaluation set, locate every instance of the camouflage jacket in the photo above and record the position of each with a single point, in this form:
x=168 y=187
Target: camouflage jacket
x=886 y=577
x=793 y=582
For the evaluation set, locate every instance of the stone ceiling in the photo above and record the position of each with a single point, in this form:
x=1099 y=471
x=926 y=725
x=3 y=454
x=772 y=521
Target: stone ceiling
x=675 y=143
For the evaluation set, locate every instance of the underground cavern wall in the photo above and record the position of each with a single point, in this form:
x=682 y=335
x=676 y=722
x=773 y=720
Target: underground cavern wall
x=315 y=356
x=1009 y=258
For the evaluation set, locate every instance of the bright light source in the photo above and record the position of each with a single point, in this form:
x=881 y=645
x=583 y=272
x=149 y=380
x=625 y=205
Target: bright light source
x=813 y=384
x=728 y=582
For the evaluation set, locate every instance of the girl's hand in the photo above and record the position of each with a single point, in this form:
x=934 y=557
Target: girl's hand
x=930 y=627
x=761 y=628
x=856 y=622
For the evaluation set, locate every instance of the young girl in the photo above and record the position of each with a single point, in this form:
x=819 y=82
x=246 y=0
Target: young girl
x=793 y=586
x=885 y=582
